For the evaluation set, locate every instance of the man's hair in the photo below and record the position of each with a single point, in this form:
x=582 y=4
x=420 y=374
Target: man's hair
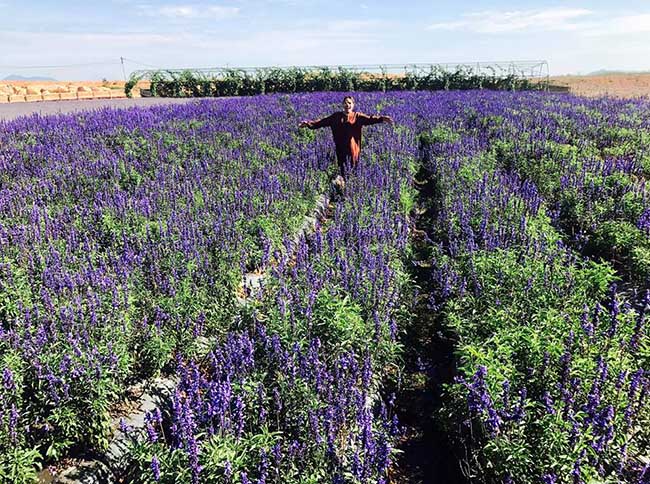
x=348 y=97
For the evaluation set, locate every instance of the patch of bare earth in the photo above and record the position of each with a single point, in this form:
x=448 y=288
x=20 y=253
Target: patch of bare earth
x=616 y=85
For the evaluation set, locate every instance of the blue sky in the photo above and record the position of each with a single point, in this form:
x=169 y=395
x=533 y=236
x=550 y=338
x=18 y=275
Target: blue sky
x=90 y=37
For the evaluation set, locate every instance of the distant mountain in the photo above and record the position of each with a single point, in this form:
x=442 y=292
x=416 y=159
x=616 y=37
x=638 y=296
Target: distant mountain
x=608 y=72
x=16 y=77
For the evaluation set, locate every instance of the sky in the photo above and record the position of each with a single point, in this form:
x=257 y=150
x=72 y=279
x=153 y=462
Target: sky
x=74 y=40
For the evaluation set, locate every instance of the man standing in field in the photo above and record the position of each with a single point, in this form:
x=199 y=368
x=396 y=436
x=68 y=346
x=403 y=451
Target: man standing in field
x=346 y=129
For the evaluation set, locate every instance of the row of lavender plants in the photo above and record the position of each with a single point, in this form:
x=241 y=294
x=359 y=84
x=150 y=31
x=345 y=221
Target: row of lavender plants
x=553 y=363
x=590 y=159
x=123 y=238
x=296 y=393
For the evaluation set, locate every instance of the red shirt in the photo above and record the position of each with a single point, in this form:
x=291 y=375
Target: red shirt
x=346 y=130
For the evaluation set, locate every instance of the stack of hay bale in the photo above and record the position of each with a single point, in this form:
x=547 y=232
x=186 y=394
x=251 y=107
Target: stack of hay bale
x=10 y=93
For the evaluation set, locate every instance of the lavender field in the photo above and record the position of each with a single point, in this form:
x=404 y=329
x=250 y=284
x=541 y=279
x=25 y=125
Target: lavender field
x=491 y=254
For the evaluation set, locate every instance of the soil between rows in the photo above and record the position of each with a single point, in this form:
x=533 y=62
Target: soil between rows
x=427 y=453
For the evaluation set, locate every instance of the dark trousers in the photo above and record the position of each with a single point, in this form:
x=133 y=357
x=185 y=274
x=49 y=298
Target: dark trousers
x=345 y=162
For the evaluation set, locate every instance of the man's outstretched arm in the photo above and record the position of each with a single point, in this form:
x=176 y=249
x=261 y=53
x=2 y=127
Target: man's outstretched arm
x=319 y=123
x=366 y=120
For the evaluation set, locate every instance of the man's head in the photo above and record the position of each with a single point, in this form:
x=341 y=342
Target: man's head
x=348 y=104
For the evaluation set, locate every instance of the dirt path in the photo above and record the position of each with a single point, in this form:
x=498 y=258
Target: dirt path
x=428 y=455
x=15 y=110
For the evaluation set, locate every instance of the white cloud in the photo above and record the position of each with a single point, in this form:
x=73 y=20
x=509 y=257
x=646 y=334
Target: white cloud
x=621 y=25
x=494 y=22
x=295 y=46
x=580 y=21
x=64 y=40
x=218 y=12
x=97 y=54
x=178 y=11
x=202 y=11
x=351 y=26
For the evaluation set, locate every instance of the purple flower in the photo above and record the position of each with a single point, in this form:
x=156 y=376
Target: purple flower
x=644 y=478
x=480 y=401
x=155 y=468
x=8 y=380
x=549 y=479
x=124 y=428
x=585 y=323
x=520 y=408
x=576 y=473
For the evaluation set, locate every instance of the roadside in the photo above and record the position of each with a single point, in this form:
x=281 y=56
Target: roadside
x=12 y=111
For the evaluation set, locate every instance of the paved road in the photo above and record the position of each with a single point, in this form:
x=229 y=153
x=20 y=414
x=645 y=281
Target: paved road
x=14 y=110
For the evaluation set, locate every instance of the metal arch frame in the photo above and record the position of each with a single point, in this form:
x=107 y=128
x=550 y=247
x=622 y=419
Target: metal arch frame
x=533 y=70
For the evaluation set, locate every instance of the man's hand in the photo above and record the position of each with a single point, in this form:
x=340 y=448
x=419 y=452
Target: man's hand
x=304 y=124
x=387 y=119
